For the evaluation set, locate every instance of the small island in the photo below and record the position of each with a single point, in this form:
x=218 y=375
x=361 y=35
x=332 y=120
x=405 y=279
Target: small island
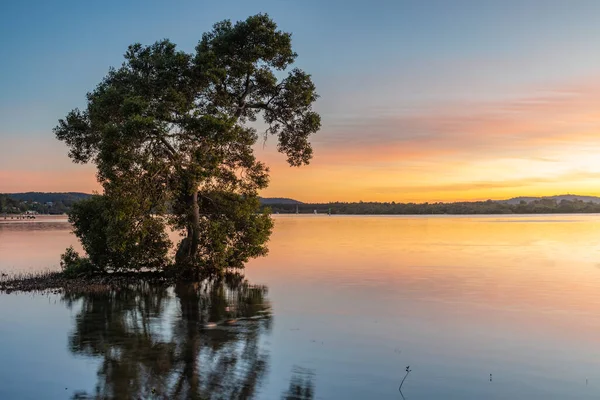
x=171 y=134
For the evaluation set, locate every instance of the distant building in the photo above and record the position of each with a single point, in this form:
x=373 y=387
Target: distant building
x=50 y=203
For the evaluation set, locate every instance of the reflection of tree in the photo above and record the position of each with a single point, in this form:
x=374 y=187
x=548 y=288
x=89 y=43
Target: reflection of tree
x=232 y=361
x=301 y=385
x=163 y=343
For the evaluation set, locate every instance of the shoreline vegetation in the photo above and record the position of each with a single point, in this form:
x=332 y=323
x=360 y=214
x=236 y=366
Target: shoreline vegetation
x=59 y=281
x=491 y=207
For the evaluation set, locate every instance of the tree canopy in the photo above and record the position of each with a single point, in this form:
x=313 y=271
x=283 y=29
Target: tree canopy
x=173 y=132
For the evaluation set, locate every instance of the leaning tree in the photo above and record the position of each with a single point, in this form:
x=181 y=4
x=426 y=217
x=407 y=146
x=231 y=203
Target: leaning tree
x=175 y=132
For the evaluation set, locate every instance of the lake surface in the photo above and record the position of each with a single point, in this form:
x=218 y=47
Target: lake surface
x=338 y=310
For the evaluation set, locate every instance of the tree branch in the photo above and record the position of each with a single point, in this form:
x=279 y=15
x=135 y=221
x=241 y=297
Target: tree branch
x=172 y=152
x=242 y=99
x=258 y=105
x=266 y=105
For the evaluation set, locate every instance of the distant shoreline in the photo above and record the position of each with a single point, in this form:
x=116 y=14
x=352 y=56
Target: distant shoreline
x=489 y=207
x=38 y=218
x=60 y=203
x=64 y=218
x=324 y=214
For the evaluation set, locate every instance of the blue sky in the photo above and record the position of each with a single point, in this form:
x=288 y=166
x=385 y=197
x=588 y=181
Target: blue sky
x=374 y=63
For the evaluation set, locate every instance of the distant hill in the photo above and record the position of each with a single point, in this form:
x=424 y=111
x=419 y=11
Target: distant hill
x=42 y=197
x=70 y=197
x=569 y=197
x=278 y=200
x=59 y=203
x=38 y=202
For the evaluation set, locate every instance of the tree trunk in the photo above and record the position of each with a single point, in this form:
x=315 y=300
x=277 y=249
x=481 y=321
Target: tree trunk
x=188 y=248
x=194 y=226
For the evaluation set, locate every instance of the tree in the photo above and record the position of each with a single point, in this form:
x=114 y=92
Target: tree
x=182 y=126
x=117 y=233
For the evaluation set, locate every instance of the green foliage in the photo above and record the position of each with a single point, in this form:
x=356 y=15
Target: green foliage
x=73 y=265
x=233 y=231
x=8 y=205
x=118 y=234
x=174 y=130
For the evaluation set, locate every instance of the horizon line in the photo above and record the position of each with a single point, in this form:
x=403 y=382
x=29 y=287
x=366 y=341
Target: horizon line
x=357 y=201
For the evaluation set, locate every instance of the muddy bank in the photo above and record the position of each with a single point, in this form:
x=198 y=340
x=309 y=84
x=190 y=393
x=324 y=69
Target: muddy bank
x=57 y=282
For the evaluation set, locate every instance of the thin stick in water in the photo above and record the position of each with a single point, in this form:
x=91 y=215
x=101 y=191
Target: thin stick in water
x=402 y=383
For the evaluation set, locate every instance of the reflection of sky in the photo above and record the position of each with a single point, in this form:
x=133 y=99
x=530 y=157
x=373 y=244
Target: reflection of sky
x=454 y=298
x=357 y=299
x=421 y=100
x=34 y=246
x=36 y=362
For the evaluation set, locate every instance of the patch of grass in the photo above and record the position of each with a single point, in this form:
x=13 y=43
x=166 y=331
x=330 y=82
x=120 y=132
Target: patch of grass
x=29 y=281
x=76 y=277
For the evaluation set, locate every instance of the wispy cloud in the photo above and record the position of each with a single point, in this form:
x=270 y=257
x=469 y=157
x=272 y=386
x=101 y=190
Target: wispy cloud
x=547 y=141
x=478 y=185
x=460 y=150
x=565 y=115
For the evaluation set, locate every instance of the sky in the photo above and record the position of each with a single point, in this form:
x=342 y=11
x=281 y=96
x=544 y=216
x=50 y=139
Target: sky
x=423 y=100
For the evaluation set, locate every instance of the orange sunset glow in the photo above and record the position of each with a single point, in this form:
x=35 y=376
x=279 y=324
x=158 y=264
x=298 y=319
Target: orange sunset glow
x=532 y=146
x=487 y=260
x=500 y=104
x=259 y=200
x=538 y=146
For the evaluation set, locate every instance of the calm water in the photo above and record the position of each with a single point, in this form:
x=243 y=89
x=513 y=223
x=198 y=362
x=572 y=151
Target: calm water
x=336 y=311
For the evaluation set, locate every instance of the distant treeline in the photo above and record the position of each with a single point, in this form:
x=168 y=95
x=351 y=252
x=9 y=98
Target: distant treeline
x=60 y=203
x=542 y=206
x=37 y=202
